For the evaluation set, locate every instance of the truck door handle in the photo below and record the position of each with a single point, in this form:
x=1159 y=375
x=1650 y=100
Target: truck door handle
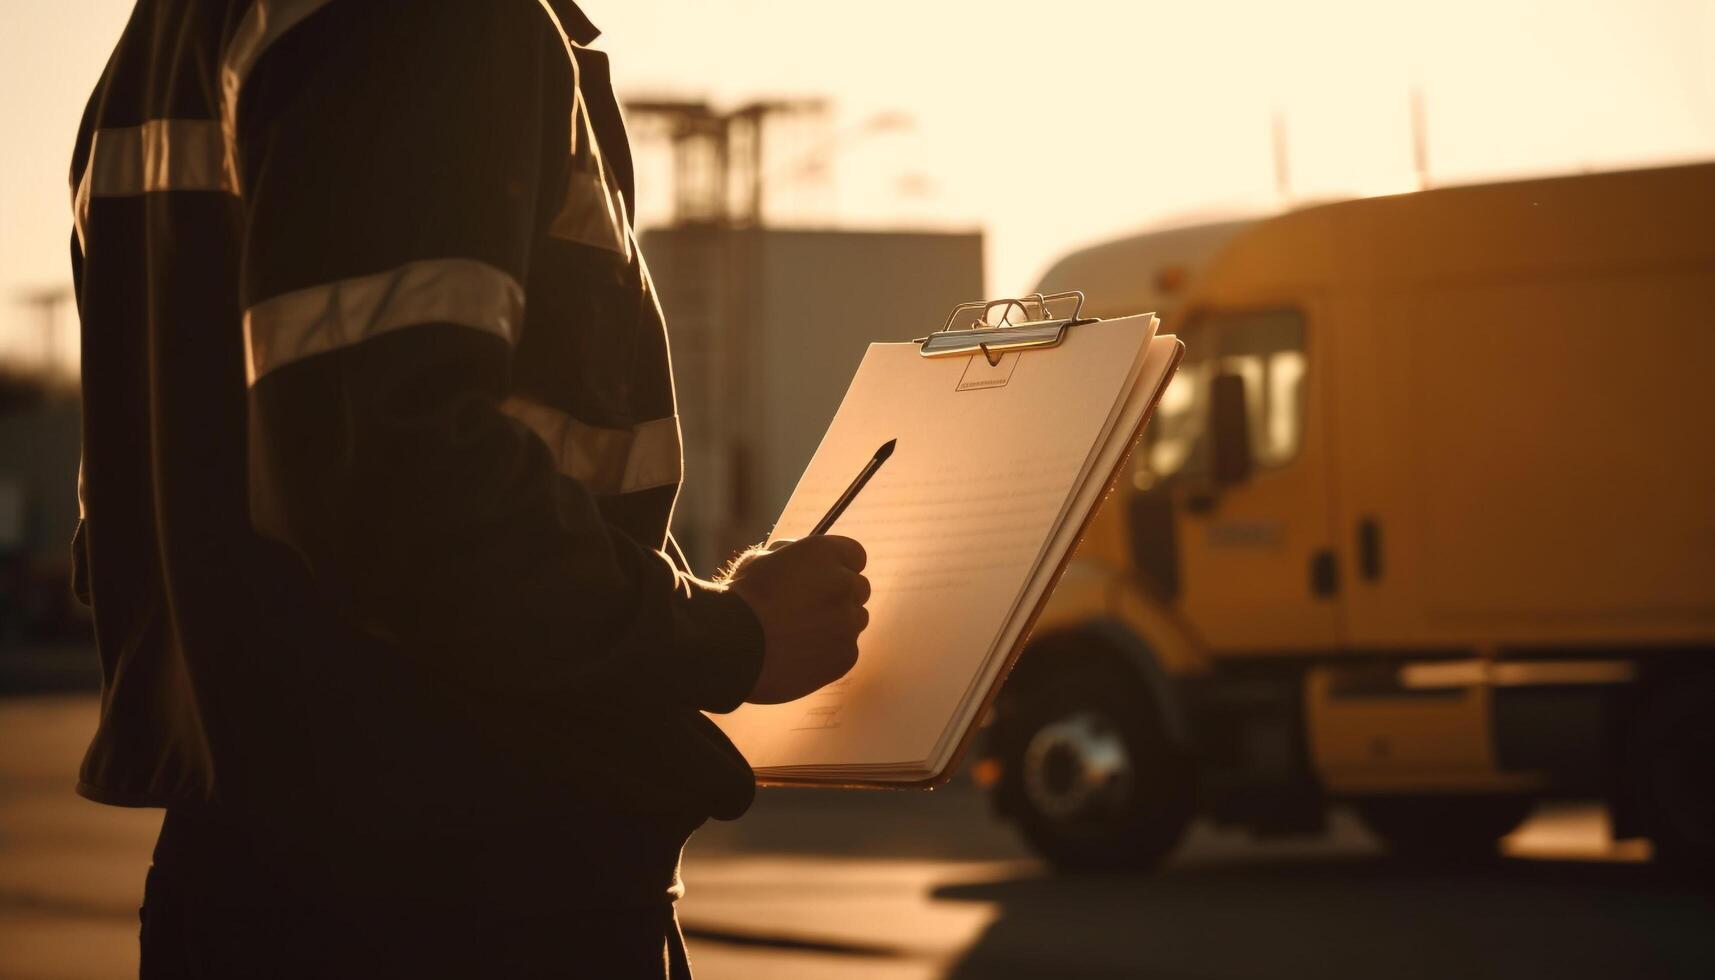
x=1324 y=573
x=1369 y=549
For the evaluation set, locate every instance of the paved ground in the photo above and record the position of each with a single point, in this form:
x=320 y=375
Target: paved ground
x=837 y=885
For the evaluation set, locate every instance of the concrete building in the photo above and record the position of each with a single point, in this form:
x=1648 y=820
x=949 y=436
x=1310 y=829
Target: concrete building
x=767 y=326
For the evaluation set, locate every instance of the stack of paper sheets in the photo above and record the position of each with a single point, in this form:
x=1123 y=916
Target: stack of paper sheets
x=967 y=526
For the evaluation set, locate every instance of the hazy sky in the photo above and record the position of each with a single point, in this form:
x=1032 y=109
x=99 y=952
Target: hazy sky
x=1049 y=125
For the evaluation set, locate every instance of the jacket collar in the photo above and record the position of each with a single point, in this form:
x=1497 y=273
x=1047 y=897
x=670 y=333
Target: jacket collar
x=572 y=20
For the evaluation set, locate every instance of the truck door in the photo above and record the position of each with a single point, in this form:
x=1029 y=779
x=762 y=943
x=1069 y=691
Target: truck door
x=1257 y=572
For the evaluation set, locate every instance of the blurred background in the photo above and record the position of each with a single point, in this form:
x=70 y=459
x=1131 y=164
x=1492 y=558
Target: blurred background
x=1392 y=654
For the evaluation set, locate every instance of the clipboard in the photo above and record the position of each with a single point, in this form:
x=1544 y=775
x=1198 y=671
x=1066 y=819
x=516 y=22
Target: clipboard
x=996 y=339
x=989 y=337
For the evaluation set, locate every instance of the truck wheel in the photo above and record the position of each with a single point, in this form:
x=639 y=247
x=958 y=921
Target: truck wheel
x=1089 y=772
x=1443 y=827
x=1674 y=769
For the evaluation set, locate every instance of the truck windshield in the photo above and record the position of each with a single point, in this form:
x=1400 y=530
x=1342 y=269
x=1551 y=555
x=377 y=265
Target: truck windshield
x=1265 y=348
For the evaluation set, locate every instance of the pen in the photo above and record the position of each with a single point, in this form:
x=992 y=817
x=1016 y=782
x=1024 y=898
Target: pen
x=846 y=498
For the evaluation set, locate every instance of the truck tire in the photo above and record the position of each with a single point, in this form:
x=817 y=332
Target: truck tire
x=1443 y=827
x=1673 y=768
x=1089 y=772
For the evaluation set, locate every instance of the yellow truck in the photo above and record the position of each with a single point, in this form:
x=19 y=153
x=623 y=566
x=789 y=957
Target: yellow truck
x=1425 y=526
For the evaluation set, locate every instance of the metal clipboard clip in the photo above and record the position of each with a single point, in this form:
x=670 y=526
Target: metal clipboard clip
x=1041 y=326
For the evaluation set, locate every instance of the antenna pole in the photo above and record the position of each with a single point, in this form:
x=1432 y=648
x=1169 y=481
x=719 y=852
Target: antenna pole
x=1282 y=173
x=1419 y=137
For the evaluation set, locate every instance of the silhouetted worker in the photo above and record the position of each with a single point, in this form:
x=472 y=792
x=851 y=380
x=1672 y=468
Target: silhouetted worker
x=380 y=448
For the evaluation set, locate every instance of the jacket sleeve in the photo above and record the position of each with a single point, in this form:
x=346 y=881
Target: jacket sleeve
x=79 y=537
x=392 y=162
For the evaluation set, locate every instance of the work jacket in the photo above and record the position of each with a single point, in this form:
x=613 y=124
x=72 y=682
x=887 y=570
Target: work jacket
x=380 y=448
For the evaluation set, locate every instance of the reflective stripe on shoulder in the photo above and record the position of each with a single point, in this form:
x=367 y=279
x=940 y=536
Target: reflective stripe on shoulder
x=159 y=155
x=608 y=461
x=594 y=214
x=334 y=315
x=263 y=23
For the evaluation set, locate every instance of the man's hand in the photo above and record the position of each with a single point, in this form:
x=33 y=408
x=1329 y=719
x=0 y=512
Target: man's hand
x=809 y=596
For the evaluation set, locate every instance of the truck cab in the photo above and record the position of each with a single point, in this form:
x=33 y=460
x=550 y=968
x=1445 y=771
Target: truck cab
x=1423 y=526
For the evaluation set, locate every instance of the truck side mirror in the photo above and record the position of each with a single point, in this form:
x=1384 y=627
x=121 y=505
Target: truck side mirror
x=1229 y=430
x=1155 y=542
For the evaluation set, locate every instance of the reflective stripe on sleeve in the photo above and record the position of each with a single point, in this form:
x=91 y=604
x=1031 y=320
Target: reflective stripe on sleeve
x=334 y=315
x=159 y=155
x=608 y=461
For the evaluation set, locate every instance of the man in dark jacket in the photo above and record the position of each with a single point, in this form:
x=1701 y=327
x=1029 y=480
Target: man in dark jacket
x=380 y=448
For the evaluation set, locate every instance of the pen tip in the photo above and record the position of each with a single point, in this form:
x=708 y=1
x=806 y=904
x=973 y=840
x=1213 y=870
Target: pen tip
x=886 y=449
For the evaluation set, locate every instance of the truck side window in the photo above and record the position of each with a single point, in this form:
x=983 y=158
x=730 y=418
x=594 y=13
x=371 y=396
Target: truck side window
x=1263 y=346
